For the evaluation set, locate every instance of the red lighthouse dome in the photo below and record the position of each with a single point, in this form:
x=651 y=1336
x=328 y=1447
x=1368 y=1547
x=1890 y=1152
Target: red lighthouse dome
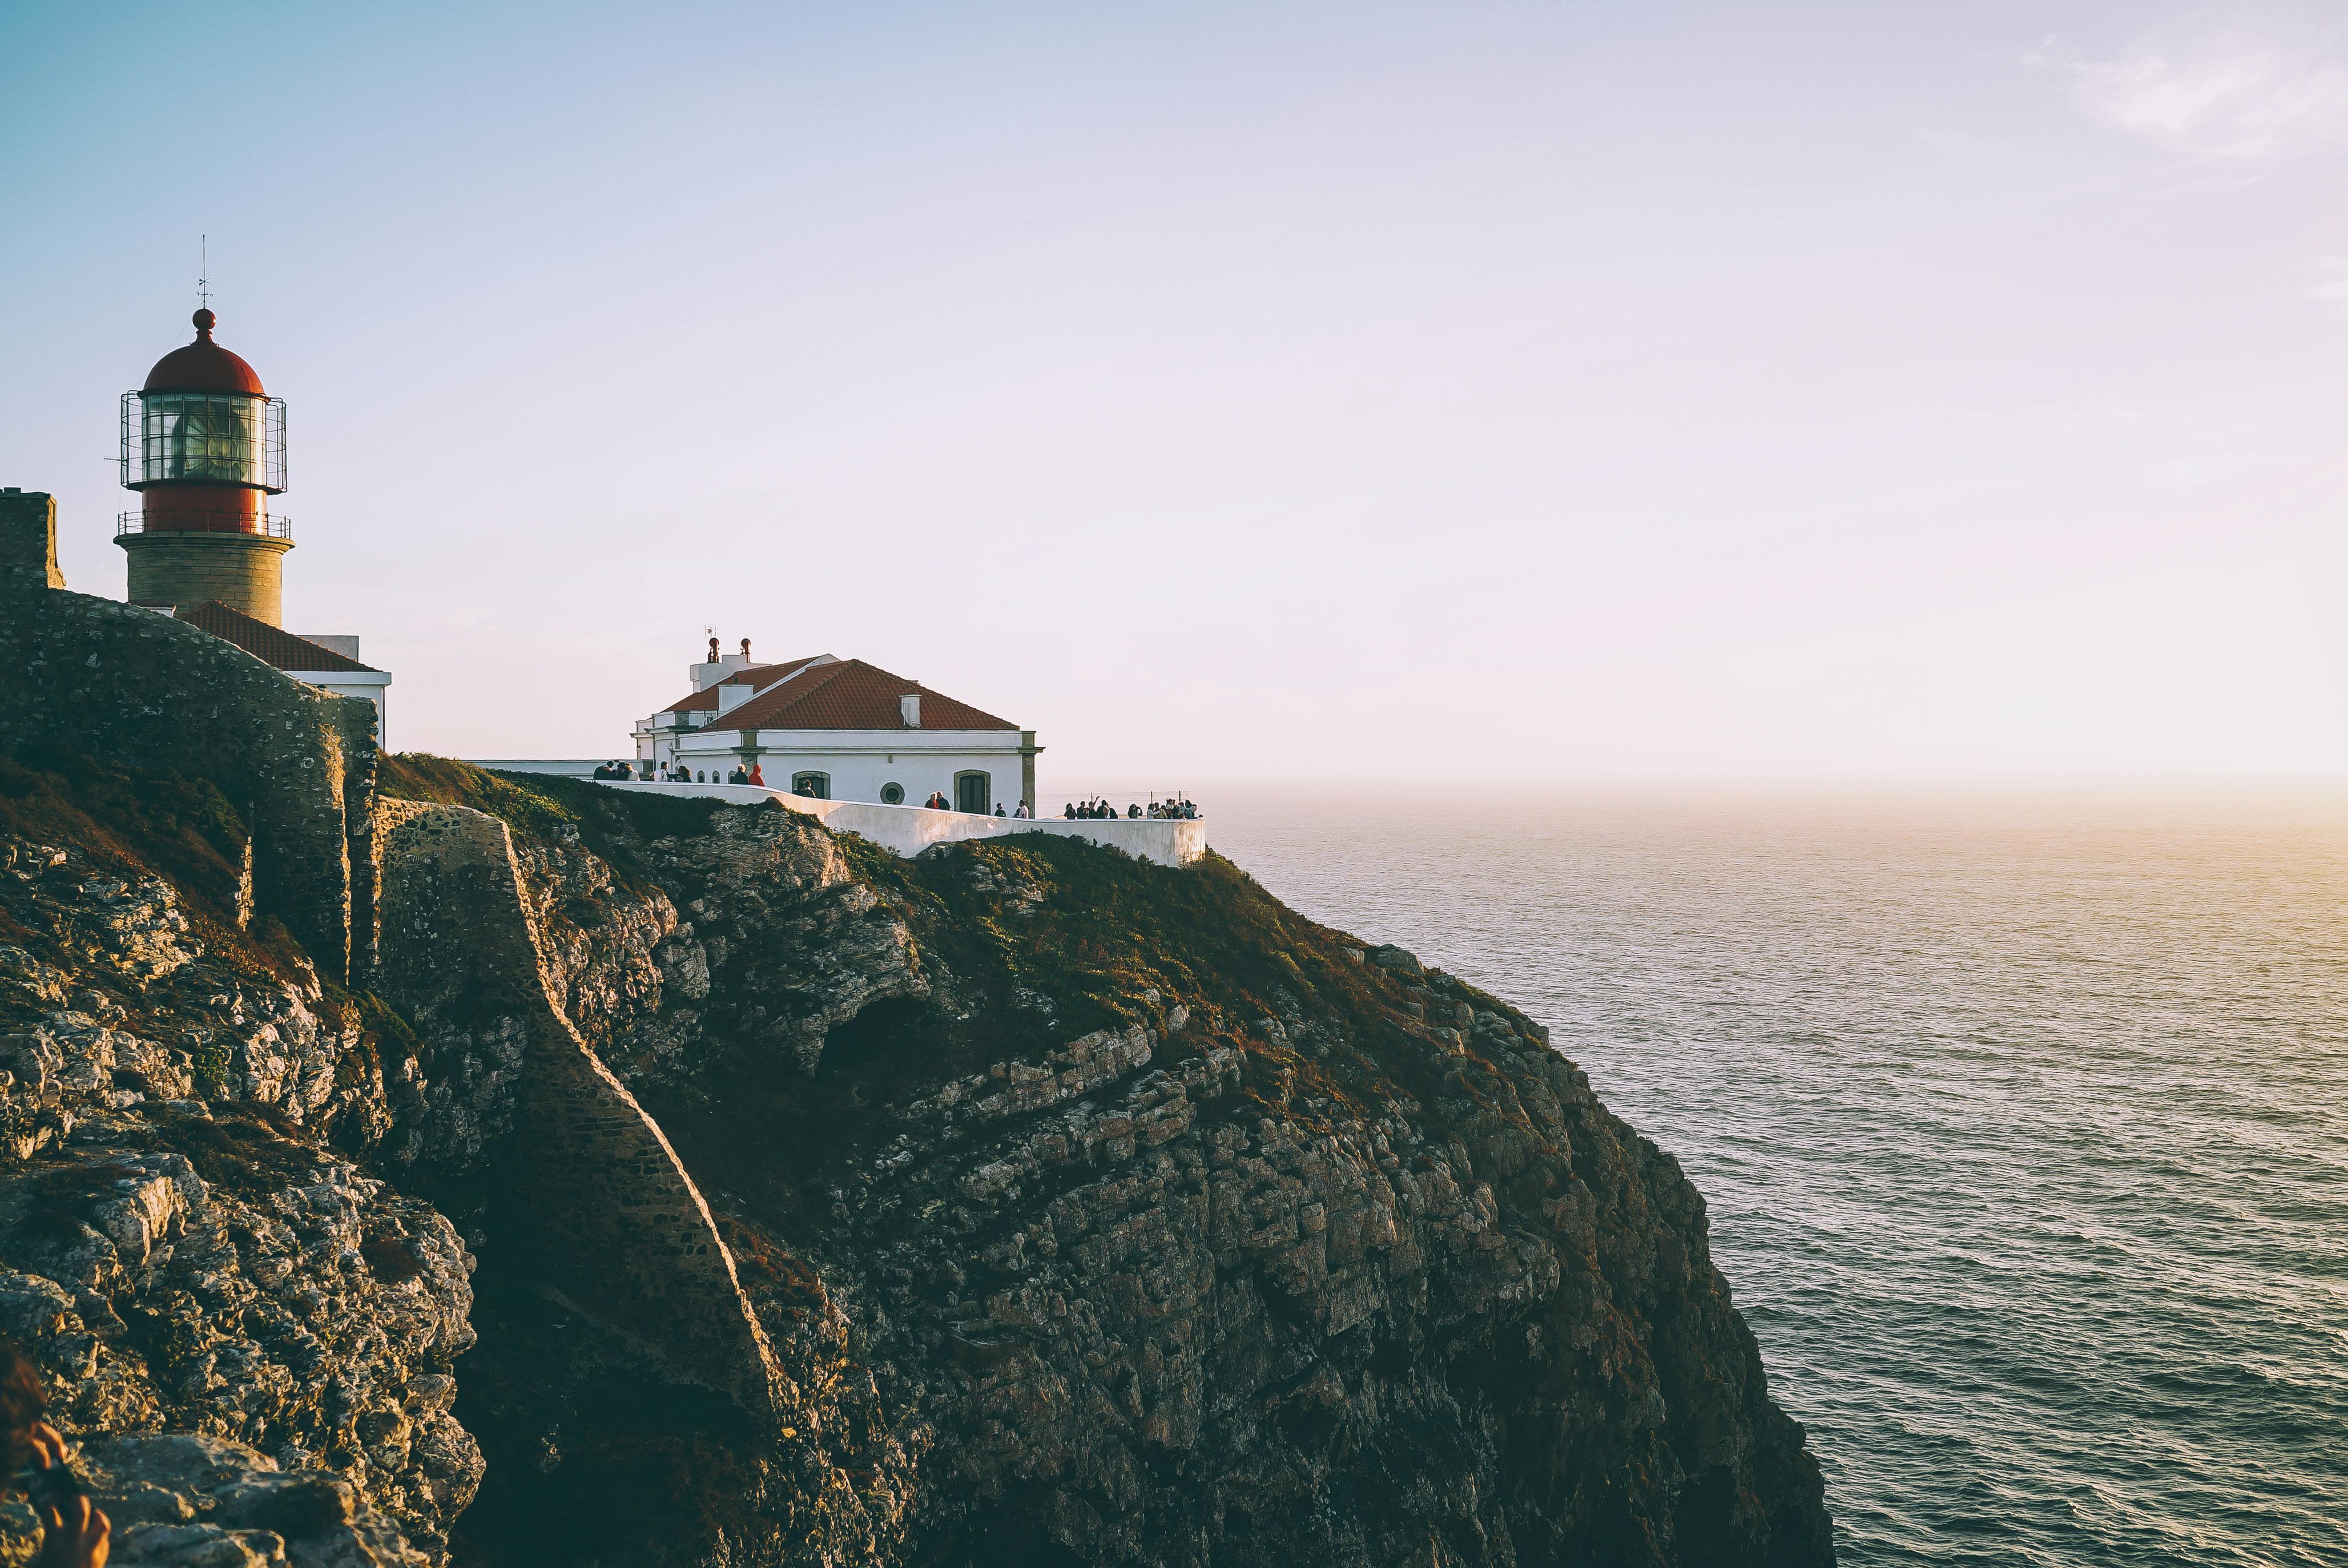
x=203 y=365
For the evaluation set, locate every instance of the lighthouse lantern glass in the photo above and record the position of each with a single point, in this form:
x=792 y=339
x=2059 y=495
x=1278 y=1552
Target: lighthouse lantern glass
x=210 y=438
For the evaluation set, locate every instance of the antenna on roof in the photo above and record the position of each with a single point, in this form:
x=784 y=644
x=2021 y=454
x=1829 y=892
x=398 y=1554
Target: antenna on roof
x=204 y=268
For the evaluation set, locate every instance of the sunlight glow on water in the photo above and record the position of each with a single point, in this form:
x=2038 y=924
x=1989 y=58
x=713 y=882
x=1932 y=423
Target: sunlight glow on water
x=2024 y=1122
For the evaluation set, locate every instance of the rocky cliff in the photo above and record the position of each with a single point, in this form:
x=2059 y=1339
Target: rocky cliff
x=256 y=1331
x=1069 y=1210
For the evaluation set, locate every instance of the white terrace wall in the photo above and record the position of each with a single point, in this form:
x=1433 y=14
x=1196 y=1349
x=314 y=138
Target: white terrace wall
x=910 y=829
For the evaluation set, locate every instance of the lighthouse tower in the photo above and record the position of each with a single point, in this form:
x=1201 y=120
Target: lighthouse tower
x=203 y=444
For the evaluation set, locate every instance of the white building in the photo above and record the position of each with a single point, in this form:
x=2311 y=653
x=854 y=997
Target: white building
x=840 y=729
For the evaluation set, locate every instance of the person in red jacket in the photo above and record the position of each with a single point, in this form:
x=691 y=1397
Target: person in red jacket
x=75 y=1533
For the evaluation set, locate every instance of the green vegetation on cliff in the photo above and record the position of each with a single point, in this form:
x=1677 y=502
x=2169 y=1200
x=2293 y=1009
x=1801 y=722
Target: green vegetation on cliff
x=609 y=821
x=137 y=821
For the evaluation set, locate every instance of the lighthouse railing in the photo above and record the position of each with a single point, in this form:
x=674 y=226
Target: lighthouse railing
x=273 y=525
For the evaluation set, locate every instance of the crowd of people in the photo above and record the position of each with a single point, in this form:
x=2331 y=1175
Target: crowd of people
x=1177 y=807
x=938 y=802
x=1096 y=809
x=678 y=773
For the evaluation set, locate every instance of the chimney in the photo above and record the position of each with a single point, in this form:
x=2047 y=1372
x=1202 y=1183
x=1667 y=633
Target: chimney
x=910 y=706
x=732 y=695
x=713 y=650
x=28 y=543
x=745 y=650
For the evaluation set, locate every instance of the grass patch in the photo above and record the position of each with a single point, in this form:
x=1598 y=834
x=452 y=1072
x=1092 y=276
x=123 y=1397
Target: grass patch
x=242 y=1150
x=133 y=823
x=609 y=821
x=208 y=1063
x=378 y=1027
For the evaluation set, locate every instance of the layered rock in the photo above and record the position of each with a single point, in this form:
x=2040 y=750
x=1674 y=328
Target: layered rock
x=185 y=1249
x=1105 y=1213
x=1081 y=1211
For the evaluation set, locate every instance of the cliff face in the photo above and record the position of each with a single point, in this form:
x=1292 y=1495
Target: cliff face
x=1089 y=1212
x=1101 y=1212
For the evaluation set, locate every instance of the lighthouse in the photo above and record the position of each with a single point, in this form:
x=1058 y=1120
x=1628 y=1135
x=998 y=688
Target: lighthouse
x=204 y=446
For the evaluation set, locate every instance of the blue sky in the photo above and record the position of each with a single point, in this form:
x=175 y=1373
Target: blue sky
x=1361 y=392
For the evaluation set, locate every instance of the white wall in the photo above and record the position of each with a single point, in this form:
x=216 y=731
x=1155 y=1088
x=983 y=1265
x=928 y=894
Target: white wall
x=376 y=686
x=860 y=761
x=908 y=830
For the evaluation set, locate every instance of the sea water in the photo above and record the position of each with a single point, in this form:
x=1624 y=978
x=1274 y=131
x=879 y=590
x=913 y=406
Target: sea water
x=2022 y=1120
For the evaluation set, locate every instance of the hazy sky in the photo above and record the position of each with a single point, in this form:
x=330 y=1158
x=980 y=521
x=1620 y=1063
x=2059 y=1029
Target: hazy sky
x=1429 y=392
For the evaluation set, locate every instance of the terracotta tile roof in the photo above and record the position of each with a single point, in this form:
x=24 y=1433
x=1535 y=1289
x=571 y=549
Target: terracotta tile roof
x=848 y=693
x=705 y=699
x=265 y=642
x=702 y=701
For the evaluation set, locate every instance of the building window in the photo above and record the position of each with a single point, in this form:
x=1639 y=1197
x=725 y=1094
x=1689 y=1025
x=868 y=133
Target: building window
x=974 y=792
x=814 y=785
x=893 y=794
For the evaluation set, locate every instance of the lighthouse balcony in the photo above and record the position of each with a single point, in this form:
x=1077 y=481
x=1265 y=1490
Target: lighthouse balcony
x=270 y=525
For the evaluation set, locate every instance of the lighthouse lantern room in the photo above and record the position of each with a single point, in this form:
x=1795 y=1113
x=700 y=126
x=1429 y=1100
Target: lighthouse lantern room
x=203 y=444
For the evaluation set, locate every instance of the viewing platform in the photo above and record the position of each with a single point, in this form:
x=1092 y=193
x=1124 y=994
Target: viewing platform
x=907 y=830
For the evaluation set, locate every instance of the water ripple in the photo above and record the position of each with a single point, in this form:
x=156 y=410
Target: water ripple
x=2023 y=1124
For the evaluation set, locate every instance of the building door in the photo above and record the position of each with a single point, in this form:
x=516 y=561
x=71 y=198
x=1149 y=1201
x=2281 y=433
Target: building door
x=974 y=792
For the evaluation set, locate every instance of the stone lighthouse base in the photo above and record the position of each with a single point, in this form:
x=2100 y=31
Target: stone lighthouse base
x=243 y=571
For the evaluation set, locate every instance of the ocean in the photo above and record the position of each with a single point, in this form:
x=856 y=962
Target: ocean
x=2022 y=1120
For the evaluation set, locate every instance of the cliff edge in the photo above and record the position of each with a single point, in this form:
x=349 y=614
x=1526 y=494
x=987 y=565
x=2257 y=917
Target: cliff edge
x=1102 y=1212
x=1017 y=1203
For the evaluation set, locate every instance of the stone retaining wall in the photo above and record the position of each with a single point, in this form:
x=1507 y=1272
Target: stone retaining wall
x=83 y=673
x=621 y=1225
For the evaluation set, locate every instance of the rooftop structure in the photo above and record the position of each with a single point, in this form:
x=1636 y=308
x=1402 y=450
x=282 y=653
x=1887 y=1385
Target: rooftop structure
x=840 y=729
